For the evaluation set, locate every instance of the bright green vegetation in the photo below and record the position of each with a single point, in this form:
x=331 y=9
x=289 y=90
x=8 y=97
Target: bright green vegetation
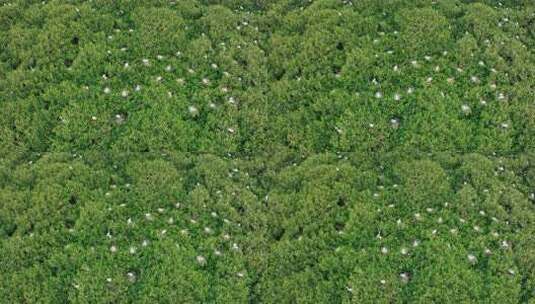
x=371 y=151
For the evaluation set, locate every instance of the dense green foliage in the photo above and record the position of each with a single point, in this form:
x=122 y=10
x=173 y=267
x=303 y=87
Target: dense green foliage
x=326 y=151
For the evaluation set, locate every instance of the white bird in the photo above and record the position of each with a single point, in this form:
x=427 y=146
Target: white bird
x=201 y=260
x=472 y=259
x=193 y=111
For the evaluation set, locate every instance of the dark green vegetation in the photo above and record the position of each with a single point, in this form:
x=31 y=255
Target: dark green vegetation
x=267 y=151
